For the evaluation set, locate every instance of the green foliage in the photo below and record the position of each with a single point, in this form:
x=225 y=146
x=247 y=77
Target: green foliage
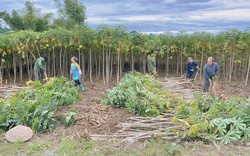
x=14 y=20
x=70 y=118
x=156 y=147
x=171 y=149
x=35 y=106
x=69 y=39
x=70 y=146
x=215 y=119
x=73 y=10
x=3 y=30
x=138 y=93
x=29 y=19
x=229 y=130
x=63 y=23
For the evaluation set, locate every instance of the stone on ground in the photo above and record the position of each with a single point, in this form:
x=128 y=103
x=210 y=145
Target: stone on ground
x=19 y=134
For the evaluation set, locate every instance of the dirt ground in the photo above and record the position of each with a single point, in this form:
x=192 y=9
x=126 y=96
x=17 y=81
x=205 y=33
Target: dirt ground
x=92 y=117
x=182 y=87
x=95 y=118
x=234 y=89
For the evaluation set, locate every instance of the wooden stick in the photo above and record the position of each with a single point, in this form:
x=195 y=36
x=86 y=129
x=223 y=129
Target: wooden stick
x=149 y=125
x=148 y=133
x=78 y=119
x=166 y=138
x=150 y=121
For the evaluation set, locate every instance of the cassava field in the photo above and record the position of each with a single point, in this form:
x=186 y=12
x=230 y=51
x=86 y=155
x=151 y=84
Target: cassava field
x=124 y=110
x=94 y=122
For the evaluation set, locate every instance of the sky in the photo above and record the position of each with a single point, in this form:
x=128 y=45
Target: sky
x=156 y=16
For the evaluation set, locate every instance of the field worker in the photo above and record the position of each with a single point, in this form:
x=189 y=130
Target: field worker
x=151 y=63
x=211 y=72
x=75 y=72
x=191 y=69
x=40 y=66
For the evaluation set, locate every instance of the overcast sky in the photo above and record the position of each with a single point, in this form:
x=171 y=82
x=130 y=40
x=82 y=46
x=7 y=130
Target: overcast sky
x=157 y=15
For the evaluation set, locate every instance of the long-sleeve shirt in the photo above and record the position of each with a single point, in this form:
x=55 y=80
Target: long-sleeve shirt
x=151 y=62
x=191 y=67
x=40 y=64
x=211 y=71
x=75 y=70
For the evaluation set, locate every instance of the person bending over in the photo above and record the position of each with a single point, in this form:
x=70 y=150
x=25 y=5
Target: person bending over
x=40 y=66
x=191 y=69
x=211 y=72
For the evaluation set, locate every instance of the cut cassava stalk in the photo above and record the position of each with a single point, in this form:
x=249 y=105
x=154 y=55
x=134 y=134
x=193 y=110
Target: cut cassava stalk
x=139 y=128
x=20 y=62
x=6 y=91
x=248 y=69
x=90 y=62
x=1 y=77
x=148 y=134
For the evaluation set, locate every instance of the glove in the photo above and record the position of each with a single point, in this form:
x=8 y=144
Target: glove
x=214 y=78
x=45 y=79
x=192 y=70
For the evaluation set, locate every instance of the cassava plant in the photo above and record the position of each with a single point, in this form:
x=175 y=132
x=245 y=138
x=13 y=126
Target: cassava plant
x=36 y=105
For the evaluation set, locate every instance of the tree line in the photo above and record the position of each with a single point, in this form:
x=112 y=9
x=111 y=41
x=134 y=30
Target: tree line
x=71 y=12
x=106 y=52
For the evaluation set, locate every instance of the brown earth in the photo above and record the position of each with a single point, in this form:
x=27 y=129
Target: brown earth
x=92 y=117
x=182 y=87
x=237 y=89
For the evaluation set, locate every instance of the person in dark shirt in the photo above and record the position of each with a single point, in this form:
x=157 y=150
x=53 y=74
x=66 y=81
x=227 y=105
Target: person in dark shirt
x=211 y=72
x=151 y=63
x=191 y=69
x=40 y=66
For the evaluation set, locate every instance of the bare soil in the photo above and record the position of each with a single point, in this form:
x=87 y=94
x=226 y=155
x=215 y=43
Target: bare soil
x=237 y=89
x=92 y=117
x=183 y=88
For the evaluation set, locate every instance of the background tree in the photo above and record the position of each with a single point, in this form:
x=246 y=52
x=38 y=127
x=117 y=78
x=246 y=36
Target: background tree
x=3 y=29
x=71 y=12
x=108 y=52
x=15 y=21
x=27 y=19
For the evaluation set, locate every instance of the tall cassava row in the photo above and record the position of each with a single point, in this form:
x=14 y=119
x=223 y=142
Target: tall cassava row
x=106 y=52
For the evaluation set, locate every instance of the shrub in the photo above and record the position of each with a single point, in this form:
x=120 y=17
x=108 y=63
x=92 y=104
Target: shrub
x=35 y=105
x=138 y=93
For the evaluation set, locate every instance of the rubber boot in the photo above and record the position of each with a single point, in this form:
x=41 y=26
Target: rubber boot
x=82 y=88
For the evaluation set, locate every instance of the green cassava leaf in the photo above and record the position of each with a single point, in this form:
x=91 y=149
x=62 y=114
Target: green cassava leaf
x=70 y=118
x=35 y=106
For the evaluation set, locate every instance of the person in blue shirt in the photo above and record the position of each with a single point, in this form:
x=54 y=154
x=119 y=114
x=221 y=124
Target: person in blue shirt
x=211 y=72
x=191 y=69
x=75 y=72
